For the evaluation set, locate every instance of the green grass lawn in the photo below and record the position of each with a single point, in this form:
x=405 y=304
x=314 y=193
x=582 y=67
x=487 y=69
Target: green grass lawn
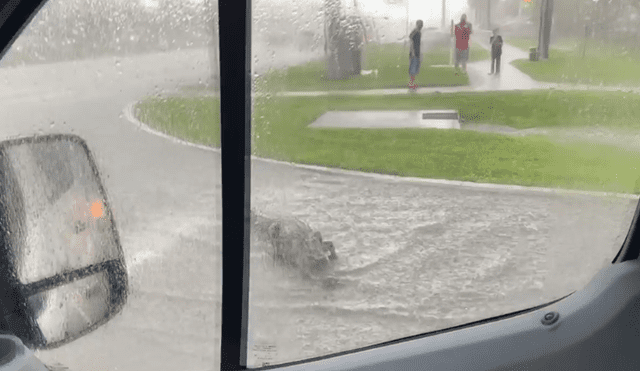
x=603 y=64
x=526 y=43
x=194 y=119
x=521 y=43
x=391 y=62
x=281 y=132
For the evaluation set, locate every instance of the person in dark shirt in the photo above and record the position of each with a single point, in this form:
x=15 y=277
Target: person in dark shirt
x=496 y=51
x=414 y=54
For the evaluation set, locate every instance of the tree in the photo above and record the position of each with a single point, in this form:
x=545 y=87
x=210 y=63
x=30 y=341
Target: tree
x=339 y=43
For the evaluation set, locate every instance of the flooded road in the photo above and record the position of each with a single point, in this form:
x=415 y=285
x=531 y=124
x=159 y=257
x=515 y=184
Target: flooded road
x=416 y=258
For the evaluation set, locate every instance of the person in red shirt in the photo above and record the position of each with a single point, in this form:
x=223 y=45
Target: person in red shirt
x=462 y=31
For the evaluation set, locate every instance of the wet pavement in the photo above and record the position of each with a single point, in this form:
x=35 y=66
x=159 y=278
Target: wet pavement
x=510 y=78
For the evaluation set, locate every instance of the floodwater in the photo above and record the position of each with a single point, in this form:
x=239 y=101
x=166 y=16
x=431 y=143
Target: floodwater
x=415 y=258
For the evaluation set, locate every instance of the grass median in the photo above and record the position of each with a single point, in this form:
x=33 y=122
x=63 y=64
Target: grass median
x=281 y=132
x=524 y=43
x=599 y=64
x=391 y=61
x=386 y=66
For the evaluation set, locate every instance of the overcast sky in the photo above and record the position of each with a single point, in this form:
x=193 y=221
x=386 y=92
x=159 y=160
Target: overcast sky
x=430 y=11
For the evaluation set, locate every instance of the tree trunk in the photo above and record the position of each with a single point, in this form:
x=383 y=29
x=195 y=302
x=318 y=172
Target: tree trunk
x=339 y=62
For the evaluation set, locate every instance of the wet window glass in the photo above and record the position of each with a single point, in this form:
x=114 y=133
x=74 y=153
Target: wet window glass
x=115 y=73
x=428 y=164
x=418 y=165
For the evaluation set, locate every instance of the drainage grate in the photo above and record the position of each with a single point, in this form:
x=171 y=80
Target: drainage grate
x=440 y=116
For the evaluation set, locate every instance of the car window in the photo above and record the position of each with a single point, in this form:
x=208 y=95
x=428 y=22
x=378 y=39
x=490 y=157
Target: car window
x=112 y=72
x=399 y=206
x=383 y=206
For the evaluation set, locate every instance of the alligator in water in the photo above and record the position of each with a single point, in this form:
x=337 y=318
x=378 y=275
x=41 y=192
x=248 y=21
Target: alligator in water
x=292 y=243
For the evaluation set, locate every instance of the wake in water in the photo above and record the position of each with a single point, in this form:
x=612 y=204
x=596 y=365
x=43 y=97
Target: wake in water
x=294 y=245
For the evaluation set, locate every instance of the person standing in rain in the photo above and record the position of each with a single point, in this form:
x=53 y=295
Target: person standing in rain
x=463 y=32
x=414 y=54
x=496 y=52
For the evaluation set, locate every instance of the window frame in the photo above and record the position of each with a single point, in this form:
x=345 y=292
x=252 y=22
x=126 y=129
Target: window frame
x=234 y=20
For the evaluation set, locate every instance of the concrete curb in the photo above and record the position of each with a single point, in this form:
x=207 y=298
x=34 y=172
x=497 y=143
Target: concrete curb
x=131 y=117
x=424 y=90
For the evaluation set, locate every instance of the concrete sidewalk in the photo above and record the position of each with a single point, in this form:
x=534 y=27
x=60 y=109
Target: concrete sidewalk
x=510 y=78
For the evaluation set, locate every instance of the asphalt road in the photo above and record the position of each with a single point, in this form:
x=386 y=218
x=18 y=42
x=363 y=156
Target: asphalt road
x=166 y=201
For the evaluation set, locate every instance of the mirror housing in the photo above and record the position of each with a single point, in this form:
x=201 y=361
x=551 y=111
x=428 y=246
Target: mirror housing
x=62 y=268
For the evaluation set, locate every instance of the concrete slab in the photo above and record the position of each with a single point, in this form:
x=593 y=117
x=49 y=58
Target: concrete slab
x=438 y=119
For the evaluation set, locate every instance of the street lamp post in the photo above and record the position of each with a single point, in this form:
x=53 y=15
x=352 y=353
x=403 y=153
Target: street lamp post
x=444 y=6
x=587 y=32
x=453 y=43
x=406 y=37
x=489 y=14
x=407 y=7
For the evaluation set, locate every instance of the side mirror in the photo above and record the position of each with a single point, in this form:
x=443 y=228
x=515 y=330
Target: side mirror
x=62 y=268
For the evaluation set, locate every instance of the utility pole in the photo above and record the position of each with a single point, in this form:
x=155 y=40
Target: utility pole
x=540 y=26
x=453 y=43
x=544 y=35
